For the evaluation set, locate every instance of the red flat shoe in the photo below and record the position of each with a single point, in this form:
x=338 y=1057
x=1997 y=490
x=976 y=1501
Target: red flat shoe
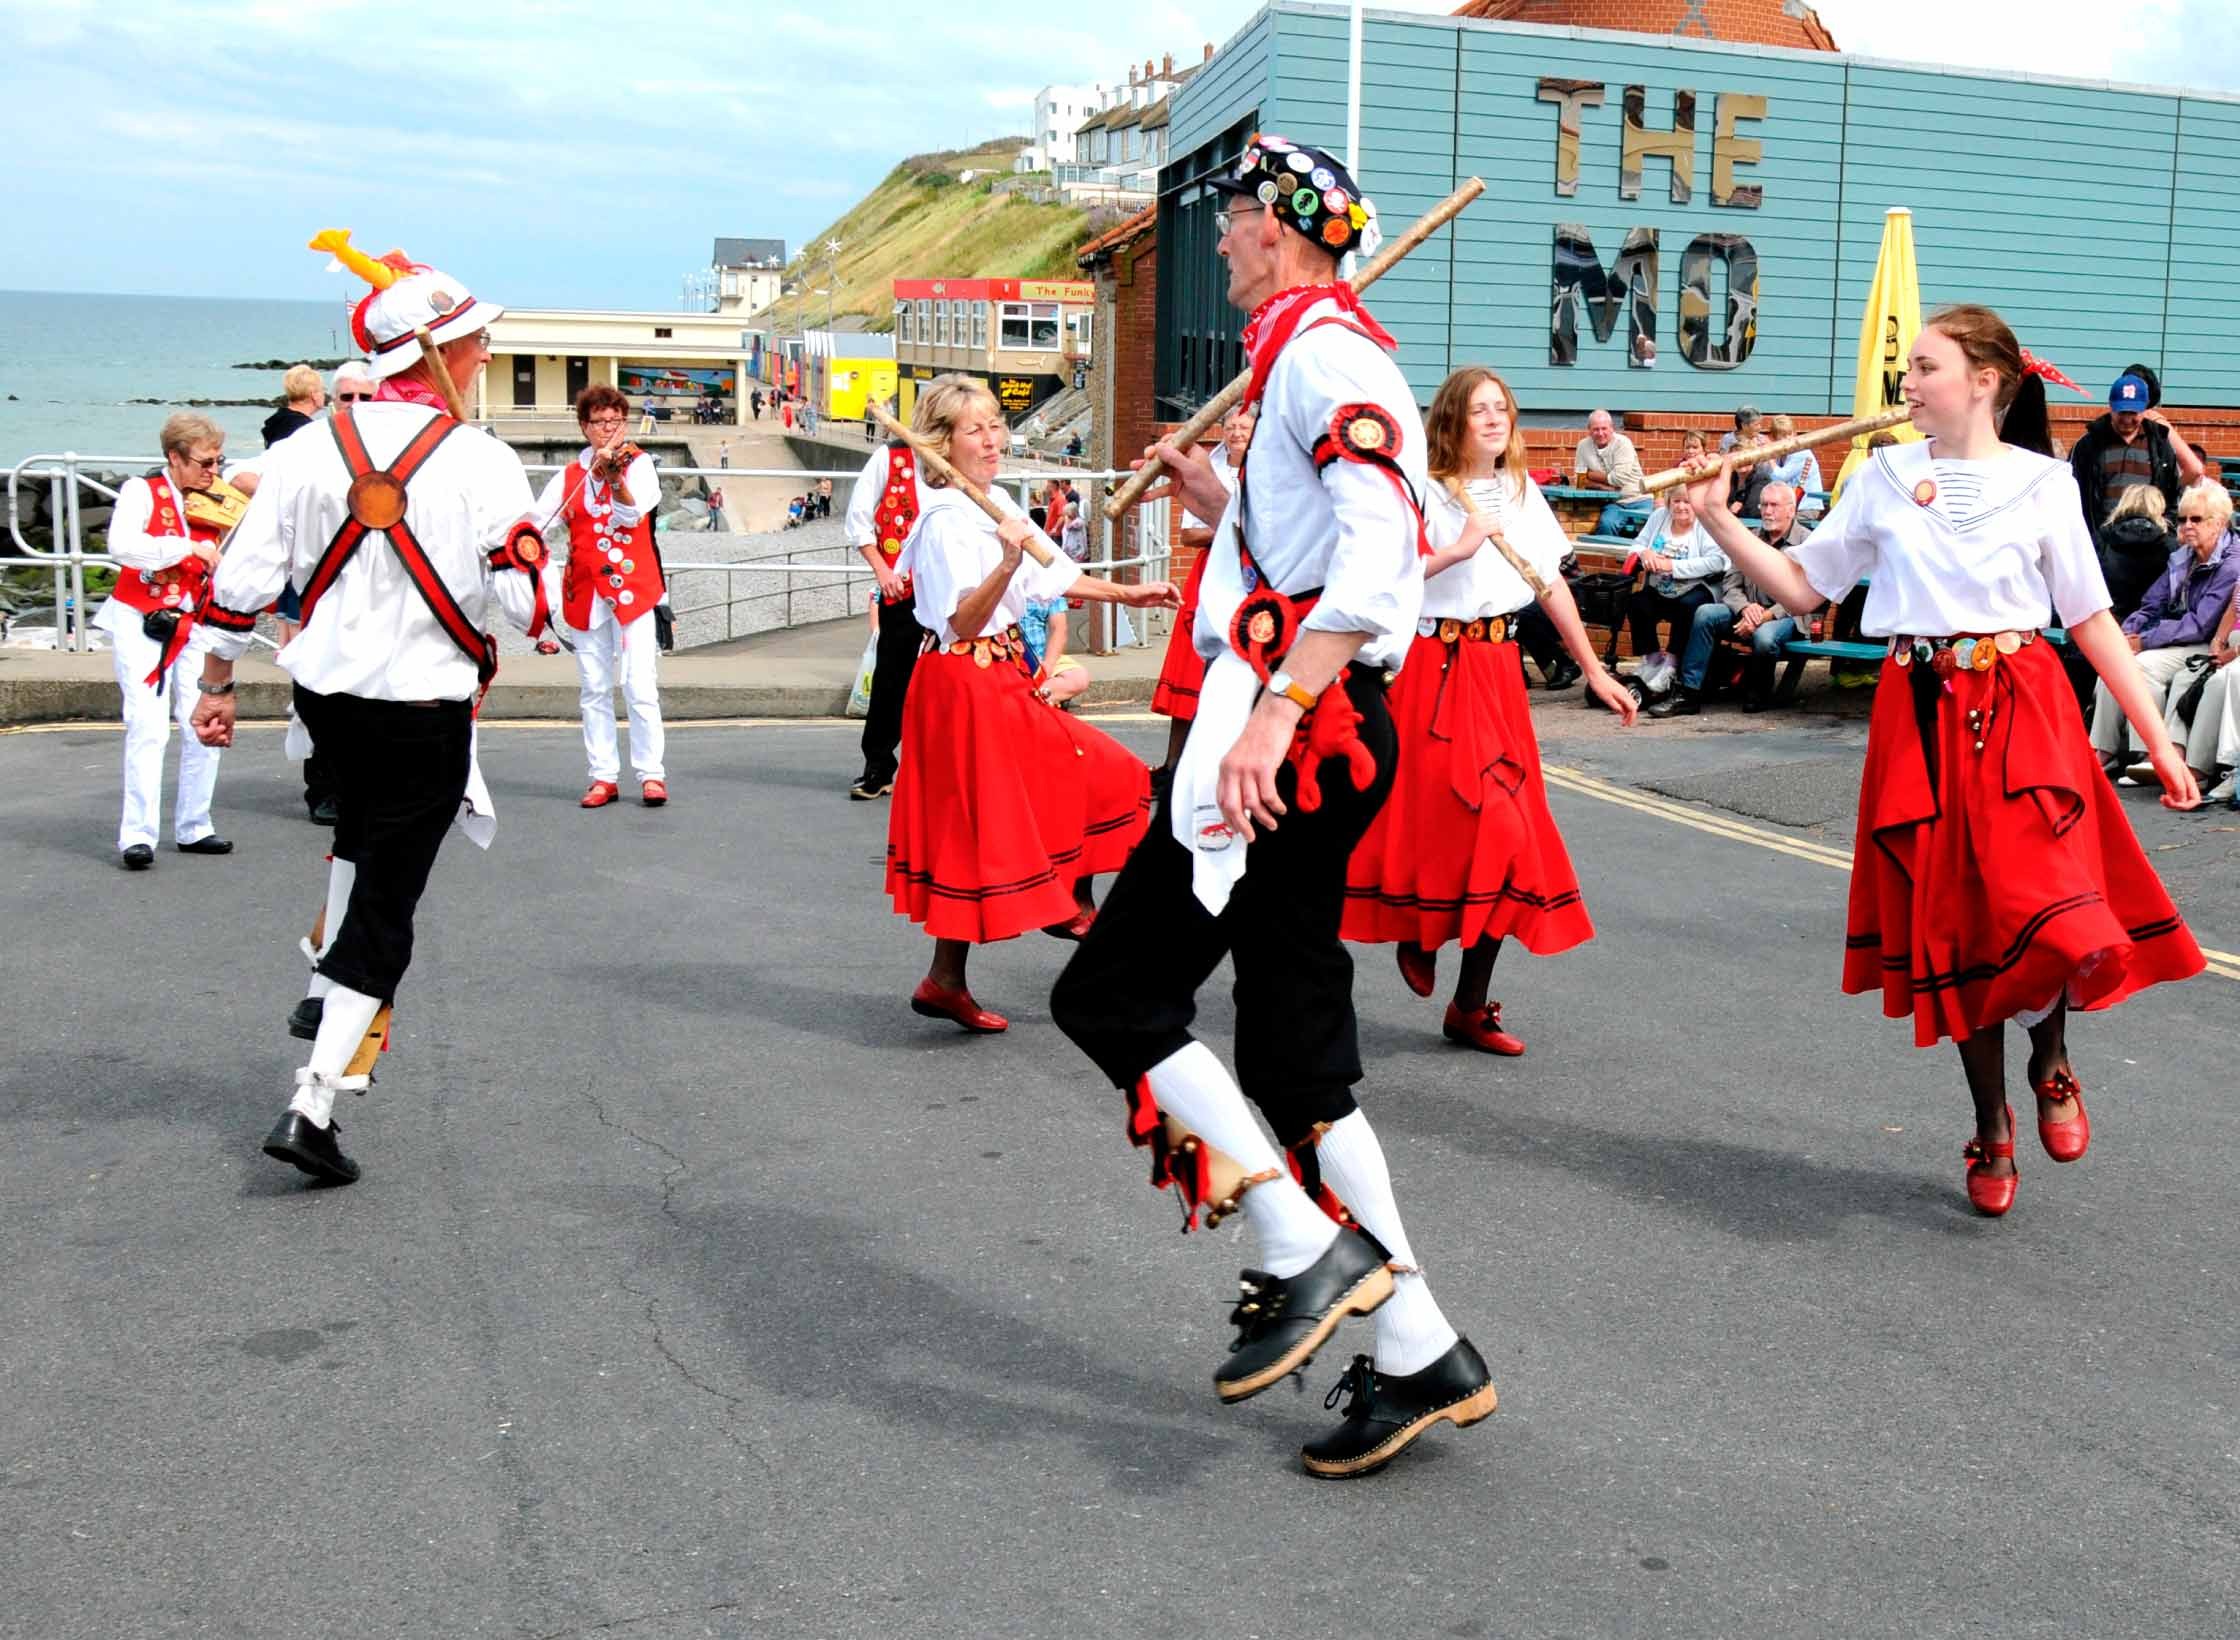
x=2064 y=1141
x=1074 y=930
x=1419 y=969
x=1481 y=1030
x=1990 y=1197
x=654 y=793
x=940 y=1002
x=600 y=794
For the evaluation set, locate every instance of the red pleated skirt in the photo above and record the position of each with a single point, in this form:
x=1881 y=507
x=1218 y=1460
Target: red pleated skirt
x=1183 y=673
x=2011 y=875
x=1464 y=849
x=1002 y=802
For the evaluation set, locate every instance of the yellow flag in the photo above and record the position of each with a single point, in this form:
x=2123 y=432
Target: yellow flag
x=1893 y=317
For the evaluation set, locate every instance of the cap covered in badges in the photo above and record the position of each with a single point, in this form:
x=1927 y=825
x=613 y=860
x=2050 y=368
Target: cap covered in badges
x=1307 y=189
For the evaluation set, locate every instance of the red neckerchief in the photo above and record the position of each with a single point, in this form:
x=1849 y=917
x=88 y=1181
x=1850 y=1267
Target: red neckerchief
x=1274 y=321
x=411 y=390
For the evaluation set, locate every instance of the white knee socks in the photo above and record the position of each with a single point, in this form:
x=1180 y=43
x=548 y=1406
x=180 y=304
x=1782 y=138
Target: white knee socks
x=348 y=1016
x=340 y=875
x=1191 y=1086
x=1412 y=1332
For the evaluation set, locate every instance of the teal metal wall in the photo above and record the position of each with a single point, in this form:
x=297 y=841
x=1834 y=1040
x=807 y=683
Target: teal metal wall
x=2090 y=216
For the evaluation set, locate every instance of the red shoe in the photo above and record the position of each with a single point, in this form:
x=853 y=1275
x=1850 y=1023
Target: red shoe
x=939 y=1002
x=1991 y=1197
x=654 y=793
x=1074 y=930
x=1481 y=1030
x=1419 y=969
x=602 y=793
x=2064 y=1141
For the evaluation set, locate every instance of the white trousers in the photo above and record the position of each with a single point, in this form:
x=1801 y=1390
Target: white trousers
x=147 y=725
x=2161 y=668
x=606 y=655
x=2213 y=742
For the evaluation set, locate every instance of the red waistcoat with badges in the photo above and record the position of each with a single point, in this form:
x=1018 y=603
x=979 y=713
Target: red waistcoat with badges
x=897 y=512
x=606 y=559
x=177 y=586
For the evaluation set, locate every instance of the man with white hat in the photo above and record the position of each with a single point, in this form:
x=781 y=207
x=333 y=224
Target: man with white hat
x=406 y=533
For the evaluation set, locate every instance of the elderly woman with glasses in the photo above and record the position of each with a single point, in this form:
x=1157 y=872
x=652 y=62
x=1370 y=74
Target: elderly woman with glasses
x=2178 y=617
x=163 y=554
x=2207 y=725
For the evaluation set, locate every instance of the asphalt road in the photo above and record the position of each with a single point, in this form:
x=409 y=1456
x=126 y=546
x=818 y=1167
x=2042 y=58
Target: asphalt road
x=695 y=1287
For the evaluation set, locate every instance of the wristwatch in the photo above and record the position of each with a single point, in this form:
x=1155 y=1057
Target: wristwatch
x=209 y=688
x=1282 y=683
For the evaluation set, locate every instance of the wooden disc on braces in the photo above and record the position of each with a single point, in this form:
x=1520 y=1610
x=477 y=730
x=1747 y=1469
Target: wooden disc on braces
x=376 y=500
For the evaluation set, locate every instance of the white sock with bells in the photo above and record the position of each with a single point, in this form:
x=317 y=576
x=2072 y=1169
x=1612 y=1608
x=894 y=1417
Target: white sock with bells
x=348 y=1016
x=1191 y=1086
x=1412 y=1331
x=340 y=875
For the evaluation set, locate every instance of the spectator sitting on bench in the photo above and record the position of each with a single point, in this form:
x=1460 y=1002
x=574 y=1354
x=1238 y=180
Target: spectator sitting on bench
x=2135 y=548
x=1685 y=566
x=2178 y=616
x=1607 y=460
x=1748 y=609
x=1800 y=469
x=2211 y=735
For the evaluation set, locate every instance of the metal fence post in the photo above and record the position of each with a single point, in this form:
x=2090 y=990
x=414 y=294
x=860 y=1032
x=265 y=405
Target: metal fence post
x=58 y=521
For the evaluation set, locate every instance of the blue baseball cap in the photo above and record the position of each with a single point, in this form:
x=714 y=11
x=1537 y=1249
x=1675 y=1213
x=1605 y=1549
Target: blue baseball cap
x=2129 y=393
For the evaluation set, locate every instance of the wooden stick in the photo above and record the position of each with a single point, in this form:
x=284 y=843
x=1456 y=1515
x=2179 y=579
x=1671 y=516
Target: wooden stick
x=1039 y=547
x=442 y=374
x=1751 y=455
x=1196 y=428
x=1517 y=560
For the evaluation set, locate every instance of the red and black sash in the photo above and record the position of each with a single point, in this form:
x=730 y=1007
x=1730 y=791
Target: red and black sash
x=377 y=498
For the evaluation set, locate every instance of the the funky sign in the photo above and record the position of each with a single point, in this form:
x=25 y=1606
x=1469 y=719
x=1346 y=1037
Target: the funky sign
x=1630 y=283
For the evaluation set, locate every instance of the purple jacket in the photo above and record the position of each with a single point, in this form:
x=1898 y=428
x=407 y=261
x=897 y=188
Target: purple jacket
x=2185 y=606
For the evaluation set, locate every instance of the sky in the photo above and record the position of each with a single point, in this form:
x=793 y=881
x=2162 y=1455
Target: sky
x=576 y=155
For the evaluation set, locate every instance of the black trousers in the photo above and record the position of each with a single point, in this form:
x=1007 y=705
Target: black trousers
x=399 y=772
x=1129 y=995
x=900 y=638
x=1536 y=631
x=1646 y=608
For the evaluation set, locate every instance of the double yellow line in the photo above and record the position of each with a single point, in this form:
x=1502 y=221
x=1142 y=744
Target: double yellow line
x=2224 y=964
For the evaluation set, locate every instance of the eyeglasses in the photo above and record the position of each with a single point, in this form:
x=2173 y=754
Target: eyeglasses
x=606 y=421
x=2193 y=518
x=206 y=463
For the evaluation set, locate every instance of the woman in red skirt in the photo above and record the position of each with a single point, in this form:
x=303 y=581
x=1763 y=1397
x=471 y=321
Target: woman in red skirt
x=1994 y=876
x=1003 y=805
x=1183 y=672
x=1465 y=849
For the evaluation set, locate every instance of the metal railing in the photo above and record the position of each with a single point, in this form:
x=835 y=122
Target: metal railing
x=68 y=476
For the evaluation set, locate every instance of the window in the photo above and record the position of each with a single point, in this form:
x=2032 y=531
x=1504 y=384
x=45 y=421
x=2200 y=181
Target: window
x=663 y=333
x=1028 y=327
x=1081 y=324
x=941 y=324
x=980 y=326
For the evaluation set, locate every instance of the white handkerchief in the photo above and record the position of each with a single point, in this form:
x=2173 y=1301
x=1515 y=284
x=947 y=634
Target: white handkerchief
x=478 y=816
x=1217 y=853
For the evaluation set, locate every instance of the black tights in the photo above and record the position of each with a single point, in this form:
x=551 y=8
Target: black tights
x=1984 y=1057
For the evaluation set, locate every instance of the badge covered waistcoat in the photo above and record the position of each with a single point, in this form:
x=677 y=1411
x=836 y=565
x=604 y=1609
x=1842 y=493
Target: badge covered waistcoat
x=177 y=586
x=897 y=512
x=606 y=559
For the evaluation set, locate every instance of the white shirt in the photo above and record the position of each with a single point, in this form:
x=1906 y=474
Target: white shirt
x=1347 y=529
x=871 y=488
x=954 y=548
x=2021 y=556
x=372 y=635
x=135 y=549
x=1224 y=471
x=639 y=478
x=1485 y=583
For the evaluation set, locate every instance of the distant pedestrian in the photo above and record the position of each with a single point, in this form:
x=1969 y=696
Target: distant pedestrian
x=645 y=424
x=723 y=453
x=756 y=402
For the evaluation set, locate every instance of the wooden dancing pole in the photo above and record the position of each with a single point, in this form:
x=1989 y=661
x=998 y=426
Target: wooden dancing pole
x=1751 y=455
x=1039 y=547
x=442 y=374
x=1196 y=428
x=1499 y=543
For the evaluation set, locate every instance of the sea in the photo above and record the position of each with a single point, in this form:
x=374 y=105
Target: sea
x=70 y=364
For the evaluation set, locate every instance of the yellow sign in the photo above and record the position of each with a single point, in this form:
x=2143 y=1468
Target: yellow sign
x=1893 y=318
x=1057 y=290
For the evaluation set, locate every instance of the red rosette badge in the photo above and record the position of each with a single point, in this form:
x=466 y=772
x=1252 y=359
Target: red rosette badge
x=1365 y=432
x=1263 y=630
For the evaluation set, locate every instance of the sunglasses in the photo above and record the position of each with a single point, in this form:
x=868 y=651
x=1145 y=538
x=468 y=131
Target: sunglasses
x=352 y=398
x=2193 y=518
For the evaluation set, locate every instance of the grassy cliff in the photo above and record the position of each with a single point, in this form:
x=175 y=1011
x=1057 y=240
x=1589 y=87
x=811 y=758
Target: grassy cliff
x=921 y=222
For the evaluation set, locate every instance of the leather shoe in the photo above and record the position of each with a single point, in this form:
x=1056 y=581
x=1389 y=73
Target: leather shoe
x=866 y=789
x=1282 y=1321
x=940 y=1002
x=1481 y=1030
x=1988 y=1196
x=1566 y=674
x=1076 y=929
x=304 y=1020
x=654 y=793
x=1419 y=969
x=599 y=794
x=324 y=813
x=310 y=1149
x=139 y=857
x=1387 y=1413
x=2064 y=1141
x=212 y=844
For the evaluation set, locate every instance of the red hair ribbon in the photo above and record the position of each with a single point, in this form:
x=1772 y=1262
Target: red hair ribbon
x=2047 y=370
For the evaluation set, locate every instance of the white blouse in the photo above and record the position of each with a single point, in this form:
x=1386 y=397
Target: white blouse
x=954 y=548
x=2022 y=556
x=1485 y=583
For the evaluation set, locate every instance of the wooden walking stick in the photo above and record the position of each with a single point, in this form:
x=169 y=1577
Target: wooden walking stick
x=1039 y=547
x=1196 y=428
x=1500 y=544
x=1751 y=454
x=442 y=374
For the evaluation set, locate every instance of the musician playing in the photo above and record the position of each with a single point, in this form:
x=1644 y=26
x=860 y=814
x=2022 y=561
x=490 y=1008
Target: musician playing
x=607 y=497
x=406 y=533
x=164 y=536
